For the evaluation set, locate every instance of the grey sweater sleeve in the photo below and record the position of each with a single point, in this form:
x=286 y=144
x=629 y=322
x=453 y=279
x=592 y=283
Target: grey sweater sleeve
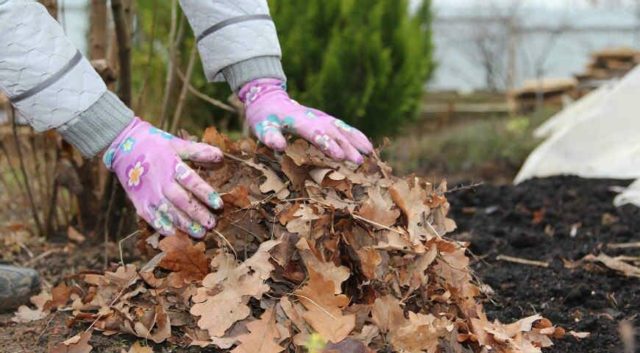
x=49 y=82
x=237 y=40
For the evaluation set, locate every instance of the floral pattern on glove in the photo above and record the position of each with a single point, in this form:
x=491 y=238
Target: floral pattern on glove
x=166 y=192
x=135 y=172
x=271 y=112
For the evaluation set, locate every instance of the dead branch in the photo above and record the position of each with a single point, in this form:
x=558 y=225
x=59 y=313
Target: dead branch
x=177 y=115
x=124 y=50
x=23 y=170
x=624 y=245
x=522 y=261
x=204 y=97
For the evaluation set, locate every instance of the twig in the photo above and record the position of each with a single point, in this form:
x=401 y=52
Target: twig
x=45 y=254
x=316 y=304
x=34 y=211
x=624 y=245
x=627 y=336
x=206 y=98
x=464 y=187
x=227 y=242
x=46 y=326
x=25 y=248
x=112 y=198
x=355 y=216
x=522 y=261
x=122 y=241
x=175 y=37
x=177 y=115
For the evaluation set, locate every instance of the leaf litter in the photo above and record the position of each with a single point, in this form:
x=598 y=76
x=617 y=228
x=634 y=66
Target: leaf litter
x=309 y=254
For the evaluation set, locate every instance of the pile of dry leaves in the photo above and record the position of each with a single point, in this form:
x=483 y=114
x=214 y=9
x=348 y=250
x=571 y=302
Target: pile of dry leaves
x=309 y=255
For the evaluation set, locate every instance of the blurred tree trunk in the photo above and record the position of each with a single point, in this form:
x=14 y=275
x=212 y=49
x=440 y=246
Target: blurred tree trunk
x=89 y=170
x=52 y=7
x=98 y=30
x=119 y=216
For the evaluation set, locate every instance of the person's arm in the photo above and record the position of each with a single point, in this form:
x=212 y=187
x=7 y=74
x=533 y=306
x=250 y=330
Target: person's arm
x=237 y=40
x=51 y=84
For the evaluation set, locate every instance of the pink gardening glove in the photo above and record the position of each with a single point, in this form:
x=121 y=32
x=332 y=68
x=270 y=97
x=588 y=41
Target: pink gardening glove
x=166 y=192
x=270 y=112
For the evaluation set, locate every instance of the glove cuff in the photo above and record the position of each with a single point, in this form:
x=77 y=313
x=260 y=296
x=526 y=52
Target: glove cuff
x=239 y=74
x=94 y=129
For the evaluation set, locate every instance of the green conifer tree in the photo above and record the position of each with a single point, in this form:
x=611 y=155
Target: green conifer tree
x=365 y=61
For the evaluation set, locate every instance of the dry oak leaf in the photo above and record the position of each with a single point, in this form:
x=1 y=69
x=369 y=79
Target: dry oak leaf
x=304 y=215
x=148 y=322
x=272 y=181
x=615 y=263
x=238 y=196
x=379 y=209
x=411 y=199
x=324 y=308
x=421 y=333
x=453 y=268
x=138 y=348
x=296 y=174
x=336 y=274
x=387 y=313
x=515 y=335
x=26 y=314
x=76 y=344
x=262 y=337
x=59 y=296
x=222 y=301
x=369 y=260
x=187 y=261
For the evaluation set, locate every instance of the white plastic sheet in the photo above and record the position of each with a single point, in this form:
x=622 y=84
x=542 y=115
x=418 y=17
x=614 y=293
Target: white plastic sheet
x=596 y=137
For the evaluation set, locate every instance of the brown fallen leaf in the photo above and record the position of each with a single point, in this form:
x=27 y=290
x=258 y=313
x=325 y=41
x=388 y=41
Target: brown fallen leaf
x=336 y=274
x=615 y=264
x=76 y=344
x=410 y=199
x=387 y=313
x=324 y=308
x=60 y=296
x=138 y=348
x=272 y=183
x=263 y=336
x=185 y=259
x=379 y=209
x=222 y=301
x=238 y=196
x=421 y=333
x=75 y=235
x=26 y=314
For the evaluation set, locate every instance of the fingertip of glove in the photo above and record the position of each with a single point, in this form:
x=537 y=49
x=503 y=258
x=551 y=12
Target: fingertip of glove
x=276 y=142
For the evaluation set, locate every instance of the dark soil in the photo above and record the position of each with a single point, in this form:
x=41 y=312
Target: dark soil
x=534 y=221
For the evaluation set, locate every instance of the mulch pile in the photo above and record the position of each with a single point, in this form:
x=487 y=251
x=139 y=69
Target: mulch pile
x=309 y=254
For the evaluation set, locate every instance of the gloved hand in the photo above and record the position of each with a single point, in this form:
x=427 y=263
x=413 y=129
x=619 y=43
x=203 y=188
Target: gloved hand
x=165 y=191
x=270 y=112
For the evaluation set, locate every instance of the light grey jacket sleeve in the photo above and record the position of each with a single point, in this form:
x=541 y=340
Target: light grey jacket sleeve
x=51 y=84
x=237 y=40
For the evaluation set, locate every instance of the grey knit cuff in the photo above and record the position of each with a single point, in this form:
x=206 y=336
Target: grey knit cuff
x=93 y=130
x=260 y=67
